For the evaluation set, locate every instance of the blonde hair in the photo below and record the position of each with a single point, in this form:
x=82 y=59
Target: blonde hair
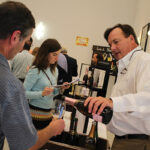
x=35 y=51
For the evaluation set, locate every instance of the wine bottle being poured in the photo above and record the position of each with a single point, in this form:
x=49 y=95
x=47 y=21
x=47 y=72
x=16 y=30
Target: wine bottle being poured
x=104 y=117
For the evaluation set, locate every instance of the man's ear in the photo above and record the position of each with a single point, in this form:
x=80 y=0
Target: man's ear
x=132 y=38
x=15 y=37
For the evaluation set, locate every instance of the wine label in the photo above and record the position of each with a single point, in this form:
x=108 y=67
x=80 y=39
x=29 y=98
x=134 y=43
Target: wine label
x=85 y=91
x=101 y=78
x=97 y=118
x=78 y=90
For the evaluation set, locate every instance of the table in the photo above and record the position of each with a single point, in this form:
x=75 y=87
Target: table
x=59 y=143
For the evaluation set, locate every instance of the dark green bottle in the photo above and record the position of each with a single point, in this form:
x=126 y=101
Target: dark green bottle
x=73 y=136
x=106 y=114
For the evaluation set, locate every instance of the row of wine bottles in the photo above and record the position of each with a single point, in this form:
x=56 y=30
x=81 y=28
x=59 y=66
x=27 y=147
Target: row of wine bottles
x=89 y=141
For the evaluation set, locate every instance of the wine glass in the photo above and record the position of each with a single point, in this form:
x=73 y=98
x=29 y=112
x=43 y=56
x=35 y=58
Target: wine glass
x=59 y=110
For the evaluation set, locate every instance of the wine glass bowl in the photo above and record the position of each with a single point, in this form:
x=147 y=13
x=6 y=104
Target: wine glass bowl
x=59 y=110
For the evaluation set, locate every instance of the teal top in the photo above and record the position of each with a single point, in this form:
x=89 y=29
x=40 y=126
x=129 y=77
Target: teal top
x=34 y=84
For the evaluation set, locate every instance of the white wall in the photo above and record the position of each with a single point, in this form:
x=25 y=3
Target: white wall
x=142 y=18
x=66 y=19
x=142 y=15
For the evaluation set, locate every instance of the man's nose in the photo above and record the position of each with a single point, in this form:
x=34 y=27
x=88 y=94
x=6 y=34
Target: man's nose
x=113 y=47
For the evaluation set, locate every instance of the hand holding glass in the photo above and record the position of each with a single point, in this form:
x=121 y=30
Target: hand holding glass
x=59 y=109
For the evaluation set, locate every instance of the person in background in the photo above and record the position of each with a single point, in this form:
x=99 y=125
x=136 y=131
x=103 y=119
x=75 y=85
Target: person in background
x=97 y=57
x=30 y=43
x=62 y=62
x=62 y=69
x=35 y=51
x=94 y=73
x=22 y=61
x=72 y=69
x=130 y=98
x=16 y=27
x=97 y=71
x=39 y=82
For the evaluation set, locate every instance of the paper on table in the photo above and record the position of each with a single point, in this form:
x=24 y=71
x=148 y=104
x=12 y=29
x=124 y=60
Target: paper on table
x=58 y=86
x=66 y=118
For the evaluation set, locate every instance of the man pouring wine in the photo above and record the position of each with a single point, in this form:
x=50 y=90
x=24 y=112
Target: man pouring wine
x=130 y=98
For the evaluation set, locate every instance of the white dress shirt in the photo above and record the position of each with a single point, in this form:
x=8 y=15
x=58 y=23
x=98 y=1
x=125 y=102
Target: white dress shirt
x=131 y=95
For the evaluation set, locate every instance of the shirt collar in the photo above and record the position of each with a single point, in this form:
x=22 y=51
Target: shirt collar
x=124 y=62
x=4 y=61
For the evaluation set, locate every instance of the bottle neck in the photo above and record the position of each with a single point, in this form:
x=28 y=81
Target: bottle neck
x=74 y=127
x=92 y=131
x=71 y=101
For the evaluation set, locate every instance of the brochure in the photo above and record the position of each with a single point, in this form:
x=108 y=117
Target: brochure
x=73 y=81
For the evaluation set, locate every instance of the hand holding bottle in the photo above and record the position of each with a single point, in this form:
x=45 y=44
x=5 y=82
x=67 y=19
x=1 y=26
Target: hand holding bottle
x=94 y=103
x=104 y=117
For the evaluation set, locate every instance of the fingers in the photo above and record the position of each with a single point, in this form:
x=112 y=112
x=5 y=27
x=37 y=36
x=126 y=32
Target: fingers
x=57 y=126
x=92 y=107
x=97 y=104
x=60 y=125
x=47 y=91
x=90 y=101
x=54 y=119
x=66 y=85
x=87 y=101
x=104 y=102
x=103 y=105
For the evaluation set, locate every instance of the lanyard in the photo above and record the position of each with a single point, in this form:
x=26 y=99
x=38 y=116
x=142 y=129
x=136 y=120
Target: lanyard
x=134 y=53
x=47 y=77
x=125 y=69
